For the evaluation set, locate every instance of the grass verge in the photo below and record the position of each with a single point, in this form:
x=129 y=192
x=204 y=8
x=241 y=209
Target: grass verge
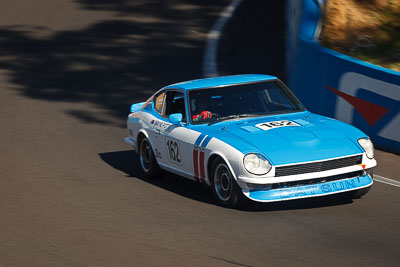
x=365 y=29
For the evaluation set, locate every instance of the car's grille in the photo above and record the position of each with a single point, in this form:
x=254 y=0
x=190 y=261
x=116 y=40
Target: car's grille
x=317 y=180
x=318 y=166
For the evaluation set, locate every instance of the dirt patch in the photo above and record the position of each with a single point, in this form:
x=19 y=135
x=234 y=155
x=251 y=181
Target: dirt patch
x=365 y=29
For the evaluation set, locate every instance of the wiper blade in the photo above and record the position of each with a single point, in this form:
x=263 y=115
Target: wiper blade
x=249 y=115
x=230 y=117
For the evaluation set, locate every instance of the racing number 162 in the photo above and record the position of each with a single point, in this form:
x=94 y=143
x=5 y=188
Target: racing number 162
x=273 y=124
x=173 y=151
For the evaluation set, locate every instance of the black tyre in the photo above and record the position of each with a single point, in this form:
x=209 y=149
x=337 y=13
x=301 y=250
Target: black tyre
x=226 y=190
x=147 y=161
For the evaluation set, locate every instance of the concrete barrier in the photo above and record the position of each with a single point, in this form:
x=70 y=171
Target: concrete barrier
x=342 y=87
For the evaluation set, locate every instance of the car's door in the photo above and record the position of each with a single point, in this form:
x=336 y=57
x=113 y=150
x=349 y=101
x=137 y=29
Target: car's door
x=175 y=153
x=156 y=123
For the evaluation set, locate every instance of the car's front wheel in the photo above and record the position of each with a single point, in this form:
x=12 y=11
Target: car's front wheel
x=147 y=161
x=225 y=188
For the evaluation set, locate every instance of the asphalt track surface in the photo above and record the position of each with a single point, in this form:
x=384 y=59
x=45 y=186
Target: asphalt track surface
x=69 y=190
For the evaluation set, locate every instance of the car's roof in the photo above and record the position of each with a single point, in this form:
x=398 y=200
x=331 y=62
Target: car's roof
x=220 y=81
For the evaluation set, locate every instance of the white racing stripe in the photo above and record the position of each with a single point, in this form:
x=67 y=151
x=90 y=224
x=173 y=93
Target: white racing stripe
x=210 y=68
x=385 y=180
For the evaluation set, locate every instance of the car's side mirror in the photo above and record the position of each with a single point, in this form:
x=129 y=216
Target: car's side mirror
x=176 y=118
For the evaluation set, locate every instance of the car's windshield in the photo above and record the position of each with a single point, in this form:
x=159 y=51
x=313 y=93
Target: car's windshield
x=245 y=100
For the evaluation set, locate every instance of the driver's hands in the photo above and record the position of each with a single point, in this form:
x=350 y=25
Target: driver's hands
x=202 y=116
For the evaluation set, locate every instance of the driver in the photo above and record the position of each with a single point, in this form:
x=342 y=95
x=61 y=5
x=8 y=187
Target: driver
x=204 y=114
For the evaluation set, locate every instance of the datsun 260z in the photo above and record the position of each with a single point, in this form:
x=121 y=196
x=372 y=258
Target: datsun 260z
x=248 y=137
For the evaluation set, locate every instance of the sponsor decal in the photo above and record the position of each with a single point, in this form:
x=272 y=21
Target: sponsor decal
x=383 y=116
x=312 y=189
x=161 y=124
x=297 y=192
x=371 y=112
x=275 y=124
x=323 y=188
x=157 y=153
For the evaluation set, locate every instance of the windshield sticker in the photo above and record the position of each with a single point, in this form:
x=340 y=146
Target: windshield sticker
x=275 y=124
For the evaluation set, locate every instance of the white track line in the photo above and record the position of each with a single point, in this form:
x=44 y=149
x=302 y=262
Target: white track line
x=385 y=180
x=210 y=68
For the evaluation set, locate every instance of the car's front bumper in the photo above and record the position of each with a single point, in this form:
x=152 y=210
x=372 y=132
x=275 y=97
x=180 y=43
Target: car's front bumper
x=310 y=190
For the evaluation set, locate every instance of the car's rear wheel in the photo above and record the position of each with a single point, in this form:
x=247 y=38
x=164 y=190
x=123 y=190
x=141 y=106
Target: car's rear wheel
x=147 y=161
x=225 y=188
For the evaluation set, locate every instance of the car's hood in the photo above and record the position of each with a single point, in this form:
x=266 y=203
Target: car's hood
x=311 y=137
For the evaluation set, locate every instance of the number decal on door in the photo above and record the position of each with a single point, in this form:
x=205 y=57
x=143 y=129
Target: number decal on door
x=174 y=151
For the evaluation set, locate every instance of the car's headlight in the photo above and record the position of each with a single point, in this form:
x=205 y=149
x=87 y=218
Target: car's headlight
x=368 y=147
x=256 y=164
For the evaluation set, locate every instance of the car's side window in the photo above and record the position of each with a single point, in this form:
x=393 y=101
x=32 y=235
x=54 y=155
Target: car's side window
x=175 y=103
x=159 y=103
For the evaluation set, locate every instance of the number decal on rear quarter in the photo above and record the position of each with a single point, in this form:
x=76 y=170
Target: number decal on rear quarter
x=275 y=124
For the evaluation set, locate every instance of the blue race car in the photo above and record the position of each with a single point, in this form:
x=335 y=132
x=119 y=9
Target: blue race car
x=248 y=137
